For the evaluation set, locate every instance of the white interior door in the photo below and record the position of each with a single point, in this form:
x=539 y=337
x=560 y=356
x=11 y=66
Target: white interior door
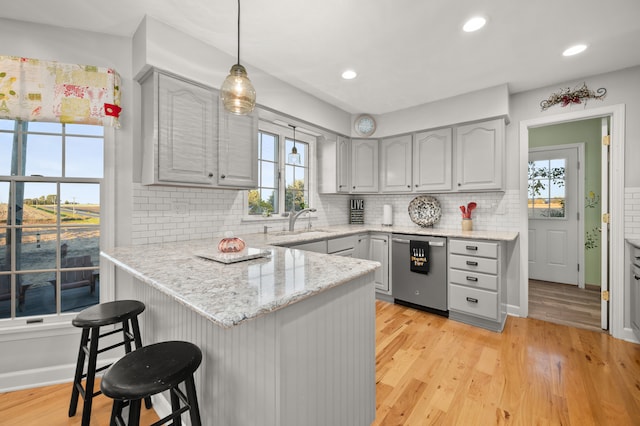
x=604 y=226
x=554 y=188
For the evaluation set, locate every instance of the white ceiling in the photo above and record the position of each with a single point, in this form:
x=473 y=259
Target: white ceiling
x=407 y=52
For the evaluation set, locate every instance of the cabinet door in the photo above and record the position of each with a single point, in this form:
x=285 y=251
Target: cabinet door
x=432 y=160
x=362 y=247
x=379 y=251
x=395 y=170
x=186 y=135
x=334 y=165
x=344 y=165
x=364 y=165
x=238 y=150
x=479 y=156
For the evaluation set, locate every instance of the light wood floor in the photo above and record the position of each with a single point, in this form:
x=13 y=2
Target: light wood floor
x=49 y=405
x=565 y=304
x=431 y=370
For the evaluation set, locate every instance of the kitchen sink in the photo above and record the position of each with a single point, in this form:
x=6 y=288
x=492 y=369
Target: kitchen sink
x=304 y=232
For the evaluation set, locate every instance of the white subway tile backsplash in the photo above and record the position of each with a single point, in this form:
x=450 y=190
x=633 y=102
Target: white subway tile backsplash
x=632 y=212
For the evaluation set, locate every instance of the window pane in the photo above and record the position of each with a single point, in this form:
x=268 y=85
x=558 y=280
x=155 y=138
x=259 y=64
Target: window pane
x=4 y=202
x=79 y=242
x=84 y=129
x=39 y=203
x=80 y=158
x=269 y=200
x=6 y=153
x=80 y=203
x=35 y=294
x=268 y=146
x=7 y=124
x=44 y=155
x=36 y=248
x=45 y=127
x=268 y=174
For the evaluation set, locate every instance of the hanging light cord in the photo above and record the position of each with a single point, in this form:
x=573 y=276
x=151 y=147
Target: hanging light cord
x=238 y=32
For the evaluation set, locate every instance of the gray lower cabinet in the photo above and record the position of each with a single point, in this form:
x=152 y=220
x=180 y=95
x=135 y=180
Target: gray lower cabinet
x=379 y=251
x=476 y=291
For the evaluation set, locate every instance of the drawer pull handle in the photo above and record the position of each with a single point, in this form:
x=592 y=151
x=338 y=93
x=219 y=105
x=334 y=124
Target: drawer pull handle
x=636 y=277
x=472 y=300
x=472 y=263
x=475 y=279
x=474 y=248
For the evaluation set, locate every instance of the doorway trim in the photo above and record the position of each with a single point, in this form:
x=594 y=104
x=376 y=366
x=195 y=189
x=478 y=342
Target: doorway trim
x=616 y=184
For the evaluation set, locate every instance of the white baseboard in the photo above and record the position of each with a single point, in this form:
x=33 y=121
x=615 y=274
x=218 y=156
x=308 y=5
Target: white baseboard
x=38 y=377
x=513 y=310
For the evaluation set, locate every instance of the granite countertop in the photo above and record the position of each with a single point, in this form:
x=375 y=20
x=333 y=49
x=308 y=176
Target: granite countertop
x=228 y=294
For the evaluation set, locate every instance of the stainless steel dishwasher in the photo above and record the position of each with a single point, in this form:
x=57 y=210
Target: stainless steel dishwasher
x=426 y=291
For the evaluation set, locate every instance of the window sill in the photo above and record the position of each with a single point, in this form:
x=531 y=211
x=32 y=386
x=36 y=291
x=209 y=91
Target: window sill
x=19 y=329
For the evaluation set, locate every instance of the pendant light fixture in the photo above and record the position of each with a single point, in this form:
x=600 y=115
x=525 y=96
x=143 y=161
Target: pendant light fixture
x=237 y=92
x=294 y=157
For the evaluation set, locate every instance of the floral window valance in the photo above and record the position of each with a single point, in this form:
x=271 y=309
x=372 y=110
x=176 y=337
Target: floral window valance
x=36 y=90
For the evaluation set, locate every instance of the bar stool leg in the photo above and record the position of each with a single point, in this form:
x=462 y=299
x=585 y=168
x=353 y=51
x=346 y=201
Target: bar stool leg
x=137 y=338
x=91 y=376
x=194 y=411
x=134 y=412
x=77 y=378
x=116 y=413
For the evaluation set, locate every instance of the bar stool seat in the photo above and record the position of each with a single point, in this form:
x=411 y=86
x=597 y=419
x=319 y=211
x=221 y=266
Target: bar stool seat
x=150 y=370
x=122 y=312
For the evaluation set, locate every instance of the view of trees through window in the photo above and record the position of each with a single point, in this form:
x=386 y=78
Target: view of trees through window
x=546 y=188
x=50 y=177
x=267 y=199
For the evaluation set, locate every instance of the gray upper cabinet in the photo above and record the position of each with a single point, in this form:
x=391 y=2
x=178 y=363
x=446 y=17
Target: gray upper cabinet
x=178 y=120
x=238 y=150
x=189 y=140
x=395 y=164
x=364 y=165
x=334 y=162
x=432 y=167
x=480 y=156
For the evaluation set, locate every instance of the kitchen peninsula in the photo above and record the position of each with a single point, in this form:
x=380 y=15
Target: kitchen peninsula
x=288 y=339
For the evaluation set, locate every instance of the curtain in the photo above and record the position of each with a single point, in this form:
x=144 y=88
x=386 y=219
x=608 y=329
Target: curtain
x=36 y=90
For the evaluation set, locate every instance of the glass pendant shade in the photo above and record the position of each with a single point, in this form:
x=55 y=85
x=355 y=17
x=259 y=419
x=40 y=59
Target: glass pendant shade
x=294 y=157
x=237 y=92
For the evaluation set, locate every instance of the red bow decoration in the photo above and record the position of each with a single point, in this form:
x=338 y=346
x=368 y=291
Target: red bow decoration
x=112 y=110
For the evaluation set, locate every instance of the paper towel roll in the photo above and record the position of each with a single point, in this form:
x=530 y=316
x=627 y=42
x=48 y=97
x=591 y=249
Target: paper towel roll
x=387 y=215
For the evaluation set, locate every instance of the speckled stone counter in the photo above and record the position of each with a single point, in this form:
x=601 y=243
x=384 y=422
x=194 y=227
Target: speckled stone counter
x=228 y=294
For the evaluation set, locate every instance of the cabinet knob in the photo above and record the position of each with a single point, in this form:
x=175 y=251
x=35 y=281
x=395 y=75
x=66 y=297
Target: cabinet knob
x=210 y=174
x=408 y=186
x=222 y=176
x=354 y=187
x=416 y=185
x=459 y=184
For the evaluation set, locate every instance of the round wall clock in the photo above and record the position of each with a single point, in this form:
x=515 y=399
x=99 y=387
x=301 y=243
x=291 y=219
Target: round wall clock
x=365 y=125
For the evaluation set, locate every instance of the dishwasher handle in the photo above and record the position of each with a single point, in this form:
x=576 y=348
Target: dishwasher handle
x=431 y=243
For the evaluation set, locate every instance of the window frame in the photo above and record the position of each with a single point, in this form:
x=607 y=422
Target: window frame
x=47 y=322
x=284 y=133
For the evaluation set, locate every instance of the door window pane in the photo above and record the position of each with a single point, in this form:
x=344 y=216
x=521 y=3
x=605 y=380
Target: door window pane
x=546 y=188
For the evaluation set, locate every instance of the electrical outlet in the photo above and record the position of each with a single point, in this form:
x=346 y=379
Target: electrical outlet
x=180 y=207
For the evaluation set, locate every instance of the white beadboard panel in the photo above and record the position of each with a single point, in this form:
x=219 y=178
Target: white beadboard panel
x=311 y=363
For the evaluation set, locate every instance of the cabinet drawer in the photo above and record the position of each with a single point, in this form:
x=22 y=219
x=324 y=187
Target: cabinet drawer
x=635 y=256
x=473 y=279
x=474 y=264
x=341 y=244
x=474 y=248
x=473 y=301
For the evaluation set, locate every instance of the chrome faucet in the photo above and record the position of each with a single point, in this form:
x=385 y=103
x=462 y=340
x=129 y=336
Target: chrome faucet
x=293 y=216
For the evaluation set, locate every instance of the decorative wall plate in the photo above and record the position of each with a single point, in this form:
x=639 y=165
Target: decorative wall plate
x=425 y=210
x=365 y=125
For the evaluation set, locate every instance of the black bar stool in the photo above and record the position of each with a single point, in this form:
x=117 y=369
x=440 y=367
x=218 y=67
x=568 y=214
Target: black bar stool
x=123 y=312
x=149 y=371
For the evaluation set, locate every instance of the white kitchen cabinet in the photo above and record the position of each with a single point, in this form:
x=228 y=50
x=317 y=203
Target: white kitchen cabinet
x=379 y=251
x=334 y=163
x=476 y=290
x=432 y=167
x=179 y=121
x=395 y=164
x=480 y=156
x=364 y=165
x=362 y=246
x=238 y=150
x=634 y=311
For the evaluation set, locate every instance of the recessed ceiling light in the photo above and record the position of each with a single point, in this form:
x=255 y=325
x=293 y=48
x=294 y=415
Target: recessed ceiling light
x=349 y=74
x=574 y=50
x=474 y=24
